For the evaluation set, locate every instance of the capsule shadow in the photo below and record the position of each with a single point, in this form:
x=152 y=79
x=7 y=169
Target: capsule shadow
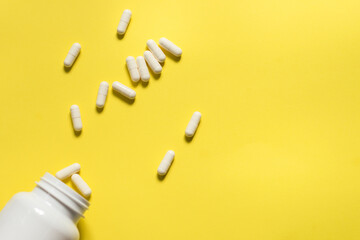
x=134 y=83
x=119 y=36
x=76 y=133
x=99 y=110
x=145 y=84
x=169 y=55
x=68 y=179
x=125 y=99
x=68 y=69
x=155 y=76
x=188 y=139
x=128 y=73
x=160 y=177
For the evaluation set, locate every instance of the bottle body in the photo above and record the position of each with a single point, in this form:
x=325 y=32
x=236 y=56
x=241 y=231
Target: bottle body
x=38 y=215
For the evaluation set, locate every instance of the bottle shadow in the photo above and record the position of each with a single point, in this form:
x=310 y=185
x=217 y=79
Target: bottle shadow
x=84 y=231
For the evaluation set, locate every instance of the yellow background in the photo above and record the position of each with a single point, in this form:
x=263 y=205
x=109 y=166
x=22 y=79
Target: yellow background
x=277 y=152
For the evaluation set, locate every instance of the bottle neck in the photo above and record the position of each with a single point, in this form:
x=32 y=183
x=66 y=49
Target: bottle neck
x=61 y=197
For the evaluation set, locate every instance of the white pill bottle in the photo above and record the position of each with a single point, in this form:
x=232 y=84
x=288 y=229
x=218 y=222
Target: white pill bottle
x=50 y=212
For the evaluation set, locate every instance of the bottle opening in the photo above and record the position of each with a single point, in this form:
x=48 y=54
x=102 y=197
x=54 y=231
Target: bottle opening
x=64 y=194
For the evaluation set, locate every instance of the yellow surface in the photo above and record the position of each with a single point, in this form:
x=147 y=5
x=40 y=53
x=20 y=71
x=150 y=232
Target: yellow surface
x=278 y=83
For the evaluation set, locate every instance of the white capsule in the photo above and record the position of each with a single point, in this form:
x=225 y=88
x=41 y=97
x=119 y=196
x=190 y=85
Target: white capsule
x=76 y=118
x=143 y=69
x=68 y=171
x=133 y=69
x=124 y=22
x=193 y=124
x=124 y=90
x=170 y=47
x=102 y=94
x=81 y=185
x=72 y=55
x=152 y=62
x=156 y=51
x=166 y=163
